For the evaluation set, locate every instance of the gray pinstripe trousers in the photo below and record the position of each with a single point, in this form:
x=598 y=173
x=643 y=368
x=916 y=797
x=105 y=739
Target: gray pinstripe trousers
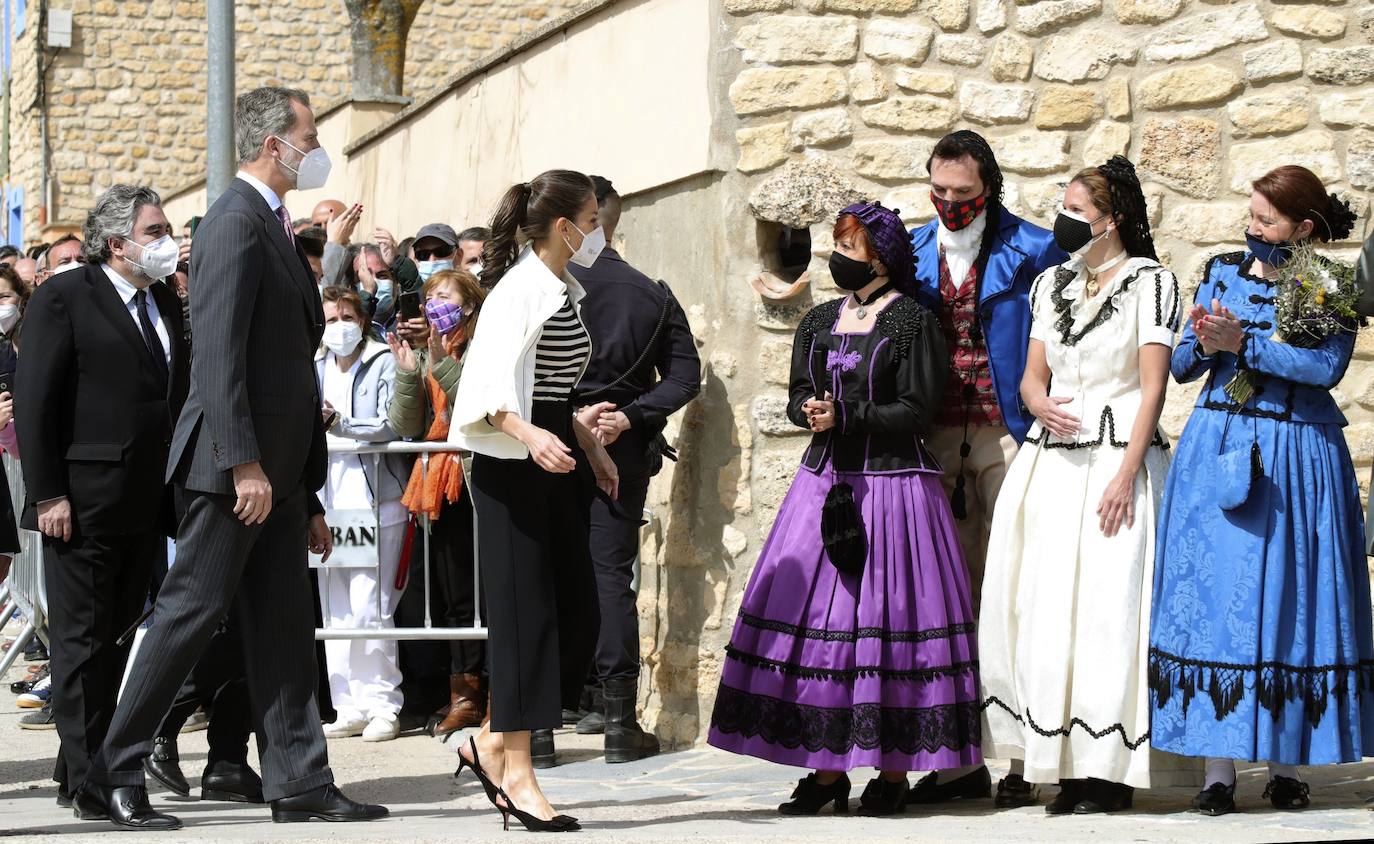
x=260 y=574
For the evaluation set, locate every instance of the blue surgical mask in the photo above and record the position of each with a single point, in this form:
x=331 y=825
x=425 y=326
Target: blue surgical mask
x=1273 y=254
x=383 y=288
x=429 y=268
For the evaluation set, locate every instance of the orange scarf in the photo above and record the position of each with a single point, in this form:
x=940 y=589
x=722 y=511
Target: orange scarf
x=428 y=490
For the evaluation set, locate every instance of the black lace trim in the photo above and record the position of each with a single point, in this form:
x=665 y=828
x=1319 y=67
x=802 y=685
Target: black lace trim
x=809 y=672
x=855 y=635
x=1174 y=314
x=1276 y=684
x=1027 y=720
x=1063 y=277
x=866 y=726
x=1106 y=433
x=1246 y=410
x=1230 y=257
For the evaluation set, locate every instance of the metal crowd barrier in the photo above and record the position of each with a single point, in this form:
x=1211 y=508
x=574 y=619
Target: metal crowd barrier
x=429 y=631
x=23 y=591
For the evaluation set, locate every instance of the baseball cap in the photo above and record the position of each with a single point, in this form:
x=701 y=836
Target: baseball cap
x=440 y=231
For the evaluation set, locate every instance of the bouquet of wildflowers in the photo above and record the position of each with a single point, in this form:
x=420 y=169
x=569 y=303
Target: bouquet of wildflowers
x=1314 y=298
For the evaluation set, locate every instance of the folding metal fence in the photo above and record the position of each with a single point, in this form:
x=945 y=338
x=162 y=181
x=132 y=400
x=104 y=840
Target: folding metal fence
x=23 y=591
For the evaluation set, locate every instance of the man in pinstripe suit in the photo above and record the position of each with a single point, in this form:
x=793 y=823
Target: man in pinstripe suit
x=246 y=457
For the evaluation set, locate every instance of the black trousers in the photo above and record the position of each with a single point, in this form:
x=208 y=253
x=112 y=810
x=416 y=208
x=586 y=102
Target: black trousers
x=97 y=586
x=537 y=580
x=259 y=572
x=614 y=546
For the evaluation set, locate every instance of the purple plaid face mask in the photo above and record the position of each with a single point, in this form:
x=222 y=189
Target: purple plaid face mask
x=444 y=317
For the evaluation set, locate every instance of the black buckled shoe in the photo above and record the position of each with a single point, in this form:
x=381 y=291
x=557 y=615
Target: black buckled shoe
x=124 y=806
x=1288 y=795
x=974 y=786
x=232 y=782
x=1216 y=799
x=882 y=798
x=1102 y=796
x=1013 y=792
x=326 y=803
x=543 y=754
x=164 y=765
x=810 y=796
x=1071 y=793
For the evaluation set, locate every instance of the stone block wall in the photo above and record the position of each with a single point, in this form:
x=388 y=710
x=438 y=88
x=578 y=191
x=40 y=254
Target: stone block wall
x=836 y=100
x=127 y=101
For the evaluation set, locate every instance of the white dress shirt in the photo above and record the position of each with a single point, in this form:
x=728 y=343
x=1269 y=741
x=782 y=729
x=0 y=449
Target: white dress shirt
x=273 y=201
x=126 y=293
x=961 y=247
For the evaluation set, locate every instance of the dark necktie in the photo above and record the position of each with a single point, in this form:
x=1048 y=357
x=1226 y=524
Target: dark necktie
x=150 y=337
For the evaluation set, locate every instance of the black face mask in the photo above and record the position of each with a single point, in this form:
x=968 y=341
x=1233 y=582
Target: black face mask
x=850 y=274
x=1074 y=233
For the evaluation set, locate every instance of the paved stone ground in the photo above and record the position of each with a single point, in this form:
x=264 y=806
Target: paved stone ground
x=695 y=795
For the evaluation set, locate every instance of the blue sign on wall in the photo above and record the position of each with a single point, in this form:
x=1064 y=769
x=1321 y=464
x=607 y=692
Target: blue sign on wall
x=14 y=219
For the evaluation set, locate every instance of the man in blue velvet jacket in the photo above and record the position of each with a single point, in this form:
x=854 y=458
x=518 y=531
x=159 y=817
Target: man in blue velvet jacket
x=974 y=266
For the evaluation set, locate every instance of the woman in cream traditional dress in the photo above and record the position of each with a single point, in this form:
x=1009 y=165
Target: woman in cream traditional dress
x=1066 y=598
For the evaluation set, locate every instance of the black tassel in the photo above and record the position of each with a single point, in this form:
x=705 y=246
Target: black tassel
x=956 y=500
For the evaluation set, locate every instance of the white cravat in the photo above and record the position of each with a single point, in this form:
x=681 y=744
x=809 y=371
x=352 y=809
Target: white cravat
x=961 y=247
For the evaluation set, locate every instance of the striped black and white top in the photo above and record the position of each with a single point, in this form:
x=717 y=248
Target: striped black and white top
x=558 y=359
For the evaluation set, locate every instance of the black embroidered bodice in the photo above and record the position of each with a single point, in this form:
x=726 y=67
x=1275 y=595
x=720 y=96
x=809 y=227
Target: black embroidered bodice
x=887 y=385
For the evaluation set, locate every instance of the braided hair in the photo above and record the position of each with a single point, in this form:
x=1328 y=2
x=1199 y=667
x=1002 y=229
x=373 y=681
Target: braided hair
x=1298 y=194
x=1115 y=188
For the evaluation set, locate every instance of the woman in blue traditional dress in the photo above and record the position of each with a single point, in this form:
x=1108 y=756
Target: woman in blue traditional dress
x=1260 y=645
x=834 y=670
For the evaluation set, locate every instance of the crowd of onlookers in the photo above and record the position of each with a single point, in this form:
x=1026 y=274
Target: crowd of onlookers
x=399 y=311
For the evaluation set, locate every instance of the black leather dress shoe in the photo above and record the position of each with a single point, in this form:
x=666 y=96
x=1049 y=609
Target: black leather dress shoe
x=1216 y=799
x=1103 y=796
x=1071 y=793
x=1287 y=794
x=972 y=786
x=326 y=803
x=124 y=806
x=542 y=751
x=1013 y=792
x=164 y=765
x=231 y=782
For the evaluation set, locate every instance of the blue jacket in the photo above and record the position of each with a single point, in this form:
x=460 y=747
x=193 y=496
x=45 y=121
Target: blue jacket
x=1021 y=252
x=1292 y=384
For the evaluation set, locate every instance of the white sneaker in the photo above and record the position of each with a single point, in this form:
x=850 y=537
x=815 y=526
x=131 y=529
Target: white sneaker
x=382 y=728
x=345 y=727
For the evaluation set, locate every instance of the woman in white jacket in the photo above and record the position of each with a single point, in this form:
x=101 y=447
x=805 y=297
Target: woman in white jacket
x=534 y=472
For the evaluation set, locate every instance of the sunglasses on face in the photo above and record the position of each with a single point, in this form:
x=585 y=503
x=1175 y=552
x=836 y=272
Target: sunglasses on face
x=437 y=252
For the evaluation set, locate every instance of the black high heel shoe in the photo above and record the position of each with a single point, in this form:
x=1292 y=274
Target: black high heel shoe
x=475 y=766
x=882 y=798
x=558 y=823
x=809 y=796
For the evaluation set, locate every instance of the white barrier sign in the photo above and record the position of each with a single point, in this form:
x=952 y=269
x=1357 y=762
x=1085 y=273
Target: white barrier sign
x=355 y=540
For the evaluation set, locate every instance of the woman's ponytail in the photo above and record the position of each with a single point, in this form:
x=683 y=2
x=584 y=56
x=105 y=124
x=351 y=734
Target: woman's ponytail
x=502 y=249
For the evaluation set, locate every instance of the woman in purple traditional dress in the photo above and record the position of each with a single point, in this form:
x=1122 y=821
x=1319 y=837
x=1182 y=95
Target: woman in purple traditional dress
x=831 y=670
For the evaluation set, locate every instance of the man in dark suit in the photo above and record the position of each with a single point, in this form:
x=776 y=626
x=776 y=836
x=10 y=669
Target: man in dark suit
x=644 y=368
x=98 y=397
x=248 y=451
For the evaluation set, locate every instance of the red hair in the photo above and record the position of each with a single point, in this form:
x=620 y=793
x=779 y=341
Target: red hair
x=848 y=227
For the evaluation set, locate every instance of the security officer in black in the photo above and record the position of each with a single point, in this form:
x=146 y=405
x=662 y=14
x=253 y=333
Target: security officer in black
x=644 y=368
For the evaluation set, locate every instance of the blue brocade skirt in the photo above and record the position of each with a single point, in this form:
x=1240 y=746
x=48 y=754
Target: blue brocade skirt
x=1260 y=643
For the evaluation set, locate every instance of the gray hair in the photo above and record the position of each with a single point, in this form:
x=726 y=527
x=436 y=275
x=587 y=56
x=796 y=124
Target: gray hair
x=113 y=216
x=262 y=113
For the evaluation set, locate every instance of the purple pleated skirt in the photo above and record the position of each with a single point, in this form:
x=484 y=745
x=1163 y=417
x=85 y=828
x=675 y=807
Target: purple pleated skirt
x=837 y=671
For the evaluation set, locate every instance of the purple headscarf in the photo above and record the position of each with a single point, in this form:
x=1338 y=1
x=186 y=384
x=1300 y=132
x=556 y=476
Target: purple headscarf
x=891 y=241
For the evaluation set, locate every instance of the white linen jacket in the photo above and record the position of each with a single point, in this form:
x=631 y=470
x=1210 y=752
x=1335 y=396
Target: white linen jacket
x=498 y=368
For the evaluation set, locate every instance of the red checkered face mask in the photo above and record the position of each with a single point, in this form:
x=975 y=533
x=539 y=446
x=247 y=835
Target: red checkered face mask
x=956 y=214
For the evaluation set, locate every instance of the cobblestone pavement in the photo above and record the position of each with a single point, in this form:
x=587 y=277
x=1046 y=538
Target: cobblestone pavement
x=693 y=795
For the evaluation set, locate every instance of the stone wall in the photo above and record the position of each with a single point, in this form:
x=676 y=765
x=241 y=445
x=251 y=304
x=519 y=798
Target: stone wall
x=835 y=100
x=126 y=102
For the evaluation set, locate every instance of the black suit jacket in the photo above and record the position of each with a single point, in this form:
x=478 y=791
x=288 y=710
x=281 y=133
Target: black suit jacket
x=93 y=420
x=258 y=321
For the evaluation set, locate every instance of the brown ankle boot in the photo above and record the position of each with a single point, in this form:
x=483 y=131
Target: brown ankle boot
x=466 y=704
